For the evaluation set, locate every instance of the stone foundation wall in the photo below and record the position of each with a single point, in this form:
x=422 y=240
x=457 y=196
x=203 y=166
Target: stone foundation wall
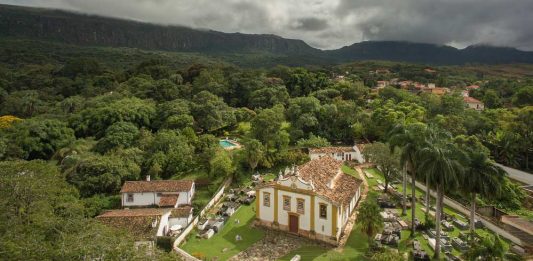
x=303 y=233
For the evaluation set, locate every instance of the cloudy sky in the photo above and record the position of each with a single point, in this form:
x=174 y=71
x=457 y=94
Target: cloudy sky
x=329 y=24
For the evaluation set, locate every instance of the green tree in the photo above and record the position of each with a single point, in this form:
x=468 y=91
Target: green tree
x=523 y=97
x=444 y=172
x=37 y=138
x=313 y=142
x=254 y=152
x=369 y=218
x=409 y=139
x=96 y=174
x=120 y=134
x=490 y=247
x=95 y=120
x=386 y=160
x=210 y=112
x=492 y=99
x=221 y=165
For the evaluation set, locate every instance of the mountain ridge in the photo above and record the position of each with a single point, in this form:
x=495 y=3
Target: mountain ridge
x=92 y=30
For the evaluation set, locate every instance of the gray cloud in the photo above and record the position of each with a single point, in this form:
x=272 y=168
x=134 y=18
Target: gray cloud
x=310 y=24
x=331 y=24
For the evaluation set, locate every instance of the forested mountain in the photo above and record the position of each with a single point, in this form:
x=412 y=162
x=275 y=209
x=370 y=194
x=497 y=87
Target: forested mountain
x=72 y=28
x=430 y=53
x=79 y=29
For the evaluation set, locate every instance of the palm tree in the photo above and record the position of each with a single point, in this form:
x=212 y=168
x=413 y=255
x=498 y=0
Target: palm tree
x=442 y=169
x=409 y=140
x=369 y=218
x=481 y=178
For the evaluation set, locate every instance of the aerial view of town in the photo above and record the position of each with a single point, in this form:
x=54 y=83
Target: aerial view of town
x=266 y=130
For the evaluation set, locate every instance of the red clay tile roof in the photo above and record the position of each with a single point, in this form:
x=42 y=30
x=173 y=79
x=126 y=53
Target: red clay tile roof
x=181 y=212
x=168 y=200
x=157 y=186
x=471 y=100
x=138 y=222
x=136 y=212
x=325 y=171
x=331 y=149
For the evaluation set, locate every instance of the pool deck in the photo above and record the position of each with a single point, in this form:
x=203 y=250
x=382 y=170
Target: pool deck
x=236 y=145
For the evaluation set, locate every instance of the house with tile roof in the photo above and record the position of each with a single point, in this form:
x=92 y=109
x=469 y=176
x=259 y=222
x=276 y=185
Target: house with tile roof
x=338 y=153
x=145 y=224
x=473 y=103
x=314 y=200
x=160 y=193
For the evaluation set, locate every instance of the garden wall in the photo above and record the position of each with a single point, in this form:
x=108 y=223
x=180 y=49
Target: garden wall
x=216 y=198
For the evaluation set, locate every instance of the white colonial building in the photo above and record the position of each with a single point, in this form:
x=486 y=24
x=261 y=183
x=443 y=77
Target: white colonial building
x=161 y=193
x=313 y=200
x=338 y=153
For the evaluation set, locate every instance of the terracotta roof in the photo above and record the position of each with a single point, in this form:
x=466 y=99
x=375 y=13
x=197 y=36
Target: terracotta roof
x=472 y=87
x=168 y=200
x=471 y=100
x=331 y=149
x=138 y=222
x=181 y=212
x=328 y=179
x=136 y=212
x=157 y=186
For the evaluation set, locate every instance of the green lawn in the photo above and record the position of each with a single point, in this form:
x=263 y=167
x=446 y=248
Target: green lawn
x=211 y=248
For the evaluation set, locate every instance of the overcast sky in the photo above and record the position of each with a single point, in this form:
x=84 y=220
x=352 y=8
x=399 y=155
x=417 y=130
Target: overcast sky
x=329 y=24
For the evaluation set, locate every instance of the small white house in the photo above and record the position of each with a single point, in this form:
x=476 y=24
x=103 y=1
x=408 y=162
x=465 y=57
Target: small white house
x=180 y=216
x=162 y=193
x=314 y=200
x=338 y=153
x=472 y=103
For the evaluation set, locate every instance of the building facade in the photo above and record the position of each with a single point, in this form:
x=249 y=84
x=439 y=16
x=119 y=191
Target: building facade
x=472 y=103
x=161 y=193
x=338 y=153
x=313 y=200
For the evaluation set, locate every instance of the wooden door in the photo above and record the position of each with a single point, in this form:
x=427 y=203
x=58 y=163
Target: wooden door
x=293 y=223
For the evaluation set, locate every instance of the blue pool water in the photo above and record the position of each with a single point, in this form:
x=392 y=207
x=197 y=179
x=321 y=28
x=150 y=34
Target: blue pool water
x=226 y=144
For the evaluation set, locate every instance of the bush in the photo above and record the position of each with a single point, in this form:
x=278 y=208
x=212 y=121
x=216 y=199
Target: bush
x=165 y=243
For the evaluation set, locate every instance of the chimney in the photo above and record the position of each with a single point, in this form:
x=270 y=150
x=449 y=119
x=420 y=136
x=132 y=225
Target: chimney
x=147 y=177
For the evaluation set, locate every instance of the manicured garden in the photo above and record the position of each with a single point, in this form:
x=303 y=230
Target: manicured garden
x=223 y=244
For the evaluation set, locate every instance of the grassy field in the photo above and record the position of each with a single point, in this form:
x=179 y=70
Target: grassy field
x=225 y=239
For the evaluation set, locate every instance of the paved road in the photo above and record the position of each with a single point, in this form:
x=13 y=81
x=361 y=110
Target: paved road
x=488 y=224
x=519 y=175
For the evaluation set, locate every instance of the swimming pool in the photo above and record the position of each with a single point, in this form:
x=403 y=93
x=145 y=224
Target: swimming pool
x=227 y=144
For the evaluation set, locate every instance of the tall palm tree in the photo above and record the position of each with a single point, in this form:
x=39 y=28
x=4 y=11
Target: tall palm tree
x=409 y=140
x=481 y=178
x=438 y=162
x=433 y=135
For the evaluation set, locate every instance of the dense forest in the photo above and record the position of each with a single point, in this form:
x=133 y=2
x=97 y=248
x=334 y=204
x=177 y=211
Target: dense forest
x=77 y=122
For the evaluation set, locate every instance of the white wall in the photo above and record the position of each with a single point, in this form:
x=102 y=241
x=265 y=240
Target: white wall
x=140 y=199
x=283 y=215
x=266 y=213
x=183 y=221
x=163 y=224
x=323 y=226
x=151 y=198
x=333 y=155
